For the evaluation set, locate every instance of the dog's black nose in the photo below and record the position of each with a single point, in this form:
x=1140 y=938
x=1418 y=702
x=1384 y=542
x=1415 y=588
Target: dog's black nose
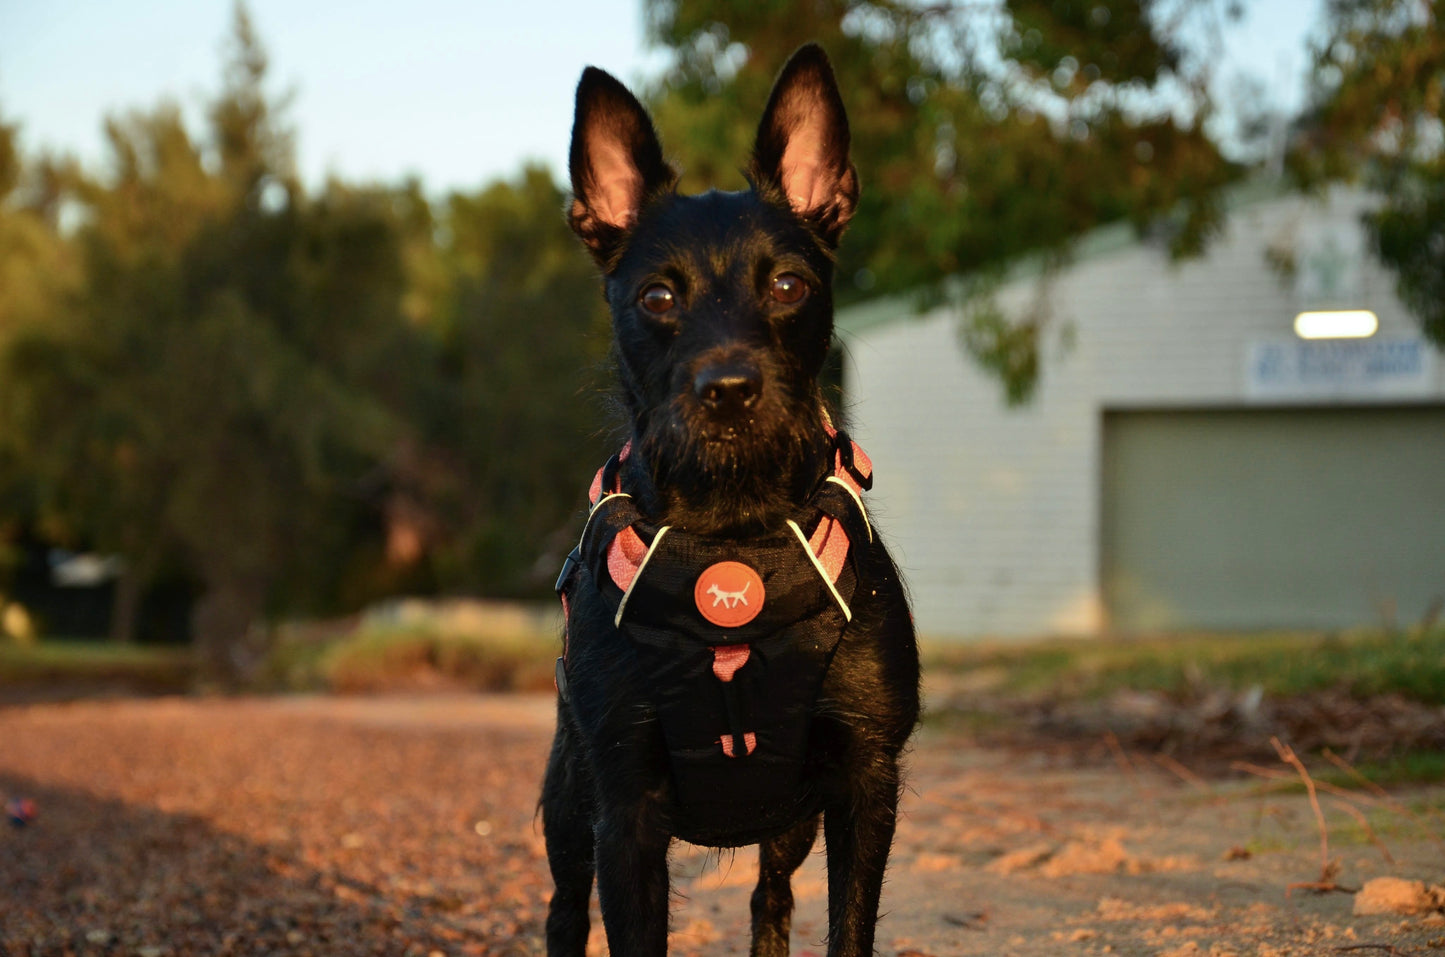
x=728 y=389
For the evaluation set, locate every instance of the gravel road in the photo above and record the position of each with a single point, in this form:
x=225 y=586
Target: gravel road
x=406 y=826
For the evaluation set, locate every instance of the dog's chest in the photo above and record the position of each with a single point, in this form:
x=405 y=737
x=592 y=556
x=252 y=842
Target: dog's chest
x=733 y=640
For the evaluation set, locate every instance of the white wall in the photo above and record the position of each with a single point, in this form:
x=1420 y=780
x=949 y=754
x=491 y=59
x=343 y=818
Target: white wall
x=993 y=513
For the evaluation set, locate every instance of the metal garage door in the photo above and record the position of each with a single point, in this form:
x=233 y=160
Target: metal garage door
x=1272 y=518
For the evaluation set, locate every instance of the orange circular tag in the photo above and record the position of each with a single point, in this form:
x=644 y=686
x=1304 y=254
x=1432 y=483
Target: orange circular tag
x=729 y=594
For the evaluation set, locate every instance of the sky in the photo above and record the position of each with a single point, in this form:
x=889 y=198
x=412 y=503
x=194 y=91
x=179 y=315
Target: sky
x=456 y=92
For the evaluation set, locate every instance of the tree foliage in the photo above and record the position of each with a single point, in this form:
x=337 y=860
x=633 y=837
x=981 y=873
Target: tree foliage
x=37 y=270
x=982 y=132
x=524 y=337
x=296 y=402
x=206 y=398
x=35 y=265
x=1378 y=115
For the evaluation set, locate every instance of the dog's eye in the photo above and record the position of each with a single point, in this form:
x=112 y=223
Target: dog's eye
x=657 y=299
x=789 y=288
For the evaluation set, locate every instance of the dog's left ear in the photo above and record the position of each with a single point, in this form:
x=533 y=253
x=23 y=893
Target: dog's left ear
x=802 y=145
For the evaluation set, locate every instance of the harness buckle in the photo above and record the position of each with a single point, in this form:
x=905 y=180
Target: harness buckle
x=845 y=458
x=610 y=482
x=569 y=568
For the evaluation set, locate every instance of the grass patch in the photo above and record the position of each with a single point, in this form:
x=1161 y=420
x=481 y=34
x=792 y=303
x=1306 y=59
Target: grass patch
x=422 y=649
x=1281 y=664
x=1217 y=698
x=419 y=658
x=73 y=664
x=1407 y=767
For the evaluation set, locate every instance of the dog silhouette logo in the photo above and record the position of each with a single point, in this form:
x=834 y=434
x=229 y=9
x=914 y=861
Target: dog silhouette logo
x=729 y=599
x=729 y=594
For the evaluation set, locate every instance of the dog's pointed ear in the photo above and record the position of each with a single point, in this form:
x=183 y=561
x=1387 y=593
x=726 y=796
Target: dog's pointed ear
x=615 y=161
x=802 y=145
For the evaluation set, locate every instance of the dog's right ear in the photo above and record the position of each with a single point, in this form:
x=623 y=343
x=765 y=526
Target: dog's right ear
x=616 y=164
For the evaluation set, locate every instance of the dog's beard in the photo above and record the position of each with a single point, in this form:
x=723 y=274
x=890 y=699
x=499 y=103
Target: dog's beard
x=739 y=474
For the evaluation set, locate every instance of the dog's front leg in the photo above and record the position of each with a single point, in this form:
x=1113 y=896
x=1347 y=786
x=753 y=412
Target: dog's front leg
x=858 y=832
x=567 y=825
x=632 y=880
x=772 y=902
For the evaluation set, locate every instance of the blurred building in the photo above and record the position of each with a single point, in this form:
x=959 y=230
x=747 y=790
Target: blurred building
x=1189 y=461
x=72 y=595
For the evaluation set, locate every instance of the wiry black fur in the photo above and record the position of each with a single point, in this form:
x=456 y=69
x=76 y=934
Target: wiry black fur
x=728 y=440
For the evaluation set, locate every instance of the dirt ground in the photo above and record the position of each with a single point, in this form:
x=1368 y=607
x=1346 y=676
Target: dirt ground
x=407 y=826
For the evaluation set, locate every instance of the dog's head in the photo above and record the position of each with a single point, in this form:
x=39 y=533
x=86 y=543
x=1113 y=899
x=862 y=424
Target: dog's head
x=722 y=302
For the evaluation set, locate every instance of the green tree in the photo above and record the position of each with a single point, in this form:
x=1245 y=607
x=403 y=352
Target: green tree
x=981 y=132
x=36 y=266
x=37 y=270
x=301 y=402
x=1377 y=116
x=524 y=337
x=219 y=392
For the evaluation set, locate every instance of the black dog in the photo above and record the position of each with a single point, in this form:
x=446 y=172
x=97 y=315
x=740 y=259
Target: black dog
x=739 y=656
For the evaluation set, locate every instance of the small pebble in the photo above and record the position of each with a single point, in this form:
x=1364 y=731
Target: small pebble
x=20 y=811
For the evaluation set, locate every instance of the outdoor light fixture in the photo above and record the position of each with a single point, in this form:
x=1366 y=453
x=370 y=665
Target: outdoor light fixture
x=1336 y=324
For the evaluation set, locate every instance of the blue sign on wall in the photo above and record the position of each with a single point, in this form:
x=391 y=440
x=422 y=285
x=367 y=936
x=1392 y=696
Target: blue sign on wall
x=1375 y=368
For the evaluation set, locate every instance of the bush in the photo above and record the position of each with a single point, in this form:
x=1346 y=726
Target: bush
x=414 y=659
x=415 y=646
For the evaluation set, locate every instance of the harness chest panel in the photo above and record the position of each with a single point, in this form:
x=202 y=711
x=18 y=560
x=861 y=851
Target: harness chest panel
x=734 y=639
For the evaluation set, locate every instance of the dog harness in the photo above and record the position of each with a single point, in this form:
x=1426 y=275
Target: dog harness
x=733 y=638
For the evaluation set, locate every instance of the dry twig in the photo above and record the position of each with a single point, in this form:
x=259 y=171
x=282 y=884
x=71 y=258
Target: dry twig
x=1121 y=758
x=1172 y=765
x=1325 y=786
x=1329 y=869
